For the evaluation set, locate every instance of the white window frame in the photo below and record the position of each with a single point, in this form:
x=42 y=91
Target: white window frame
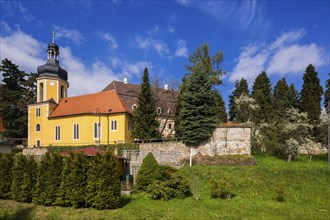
x=75 y=131
x=37 y=127
x=98 y=130
x=134 y=106
x=159 y=110
x=38 y=112
x=170 y=126
x=57 y=133
x=113 y=125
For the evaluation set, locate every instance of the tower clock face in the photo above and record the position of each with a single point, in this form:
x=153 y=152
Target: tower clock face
x=52 y=83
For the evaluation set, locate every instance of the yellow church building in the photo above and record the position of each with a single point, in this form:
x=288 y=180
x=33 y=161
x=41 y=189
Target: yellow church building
x=99 y=118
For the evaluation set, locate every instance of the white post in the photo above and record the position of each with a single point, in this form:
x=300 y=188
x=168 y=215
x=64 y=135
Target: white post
x=190 y=158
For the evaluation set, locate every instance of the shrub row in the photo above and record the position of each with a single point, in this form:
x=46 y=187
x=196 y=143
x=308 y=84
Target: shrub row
x=76 y=180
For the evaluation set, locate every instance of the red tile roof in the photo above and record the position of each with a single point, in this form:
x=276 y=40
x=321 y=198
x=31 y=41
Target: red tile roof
x=1 y=123
x=103 y=102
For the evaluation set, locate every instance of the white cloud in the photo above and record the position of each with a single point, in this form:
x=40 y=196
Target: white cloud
x=23 y=50
x=28 y=17
x=149 y=43
x=74 y=35
x=283 y=56
x=5 y=28
x=181 y=50
x=295 y=59
x=109 y=38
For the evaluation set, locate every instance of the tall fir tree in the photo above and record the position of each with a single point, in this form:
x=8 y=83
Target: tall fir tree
x=241 y=87
x=198 y=115
x=311 y=95
x=262 y=94
x=178 y=117
x=327 y=93
x=220 y=108
x=293 y=96
x=17 y=91
x=145 y=125
x=281 y=99
x=211 y=64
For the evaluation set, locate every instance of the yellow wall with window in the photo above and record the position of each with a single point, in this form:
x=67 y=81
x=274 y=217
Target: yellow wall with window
x=114 y=128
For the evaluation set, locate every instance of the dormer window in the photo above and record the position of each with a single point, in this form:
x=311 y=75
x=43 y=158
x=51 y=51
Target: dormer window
x=159 y=111
x=134 y=107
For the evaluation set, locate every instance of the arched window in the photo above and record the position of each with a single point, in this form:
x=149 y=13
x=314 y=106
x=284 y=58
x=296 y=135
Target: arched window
x=159 y=111
x=38 y=127
x=41 y=92
x=134 y=107
x=62 y=92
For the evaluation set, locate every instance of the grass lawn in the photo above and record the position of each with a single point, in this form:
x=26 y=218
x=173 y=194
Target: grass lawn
x=306 y=184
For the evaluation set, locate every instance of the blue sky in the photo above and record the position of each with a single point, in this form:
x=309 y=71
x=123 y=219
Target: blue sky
x=101 y=41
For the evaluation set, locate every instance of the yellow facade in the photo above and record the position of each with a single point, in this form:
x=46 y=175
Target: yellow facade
x=86 y=130
x=51 y=88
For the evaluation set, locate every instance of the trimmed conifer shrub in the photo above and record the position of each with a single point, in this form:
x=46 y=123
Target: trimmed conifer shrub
x=24 y=178
x=103 y=186
x=6 y=163
x=72 y=191
x=148 y=172
x=48 y=179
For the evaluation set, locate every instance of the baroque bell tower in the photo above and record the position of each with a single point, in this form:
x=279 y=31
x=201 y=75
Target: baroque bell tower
x=52 y=83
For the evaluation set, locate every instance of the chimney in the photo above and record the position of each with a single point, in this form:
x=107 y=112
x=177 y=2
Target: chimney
x=166 y=87
x=125 y=80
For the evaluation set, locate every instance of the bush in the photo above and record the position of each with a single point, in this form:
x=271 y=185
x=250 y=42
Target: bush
x=24 y=178
x=72 y=191
x=174 y=187
x=222 y=189
x=148 y=172
x=103 y=187
x=48 y=179
x=6 y=163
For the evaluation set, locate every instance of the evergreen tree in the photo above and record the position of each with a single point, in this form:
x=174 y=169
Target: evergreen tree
x=311 y=95
x=72 y=191
x=281 y=99
x=241 y=87
x=48 y=179
x=220 y=108
x=198 y=104
x=6 y=163
x=293 y=96
x=103 y=187
x=148 y=172
x=178 y=117
x=211 y=64
x=327 y=93
x=145 y=124
x=261 y=93
x=24 y=178
x=17 y=91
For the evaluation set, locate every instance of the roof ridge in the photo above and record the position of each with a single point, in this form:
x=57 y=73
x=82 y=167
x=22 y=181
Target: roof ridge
x=122 y=103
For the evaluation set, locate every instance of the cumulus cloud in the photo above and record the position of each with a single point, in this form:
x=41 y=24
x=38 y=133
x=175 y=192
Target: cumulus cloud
x=23 y=50
x=73 y=35
x=283 y=56
x=152 y=44
x=5 y=28
x=109 y=38
x=181 y=50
